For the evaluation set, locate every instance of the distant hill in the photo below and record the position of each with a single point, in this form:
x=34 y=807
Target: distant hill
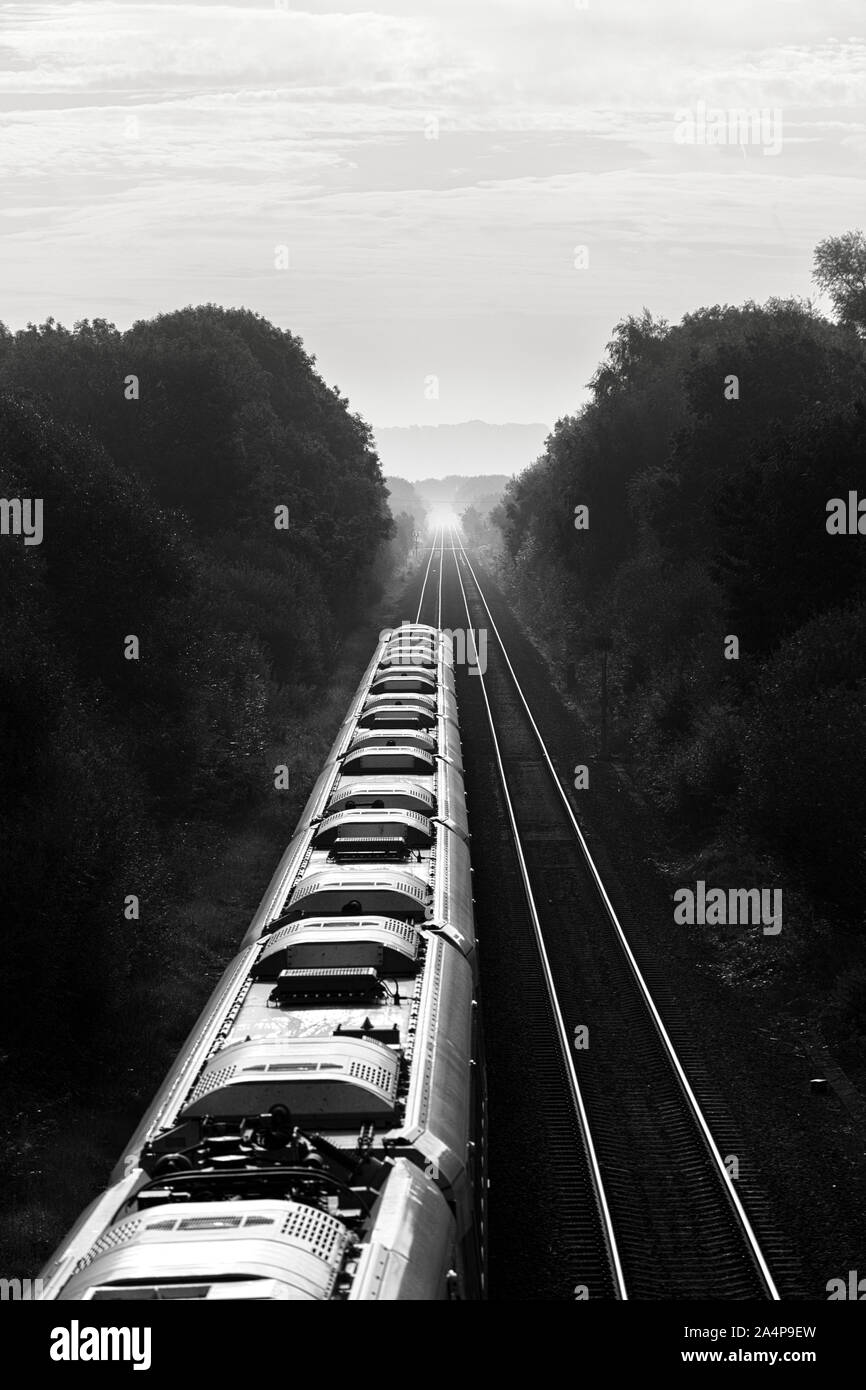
x=417 y=452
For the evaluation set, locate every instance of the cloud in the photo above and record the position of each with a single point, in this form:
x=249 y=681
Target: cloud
x=97 y=46
x=431 y=167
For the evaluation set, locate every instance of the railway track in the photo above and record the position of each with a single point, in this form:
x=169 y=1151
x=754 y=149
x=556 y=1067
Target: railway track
x=430 y=598
x=632 y=1182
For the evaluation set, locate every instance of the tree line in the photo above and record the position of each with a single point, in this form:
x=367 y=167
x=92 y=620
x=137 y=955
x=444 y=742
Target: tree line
x=691 y=501
x=207 y=494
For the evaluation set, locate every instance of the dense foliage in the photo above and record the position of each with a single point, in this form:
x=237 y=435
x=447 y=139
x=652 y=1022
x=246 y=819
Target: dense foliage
x=160 y=499
x=707 y=510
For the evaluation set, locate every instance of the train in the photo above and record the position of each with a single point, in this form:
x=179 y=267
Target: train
x=322 y=1134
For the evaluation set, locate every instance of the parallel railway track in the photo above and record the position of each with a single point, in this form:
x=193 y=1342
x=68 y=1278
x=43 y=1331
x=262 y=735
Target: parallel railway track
x=636 y=1191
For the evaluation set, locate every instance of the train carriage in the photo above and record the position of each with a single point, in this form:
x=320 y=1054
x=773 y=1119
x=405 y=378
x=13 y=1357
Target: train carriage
x=320 y=1135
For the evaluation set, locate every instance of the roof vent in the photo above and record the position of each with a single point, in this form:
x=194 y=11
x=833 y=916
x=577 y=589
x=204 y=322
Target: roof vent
x=382 y=756
x=338 y=982
x=388 y=945
x=386 y=890
x=392 y=792
x=328 y=1082
x=416 y=679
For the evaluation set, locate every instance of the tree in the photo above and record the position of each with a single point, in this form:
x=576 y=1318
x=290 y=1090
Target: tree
x=706 y=518
x=840 y=271
x=160 y=523
x=404 y=536
x=473 y=524
x=635 y=343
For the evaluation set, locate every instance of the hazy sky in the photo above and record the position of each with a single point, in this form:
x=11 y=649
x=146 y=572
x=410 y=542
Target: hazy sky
x=155 y=155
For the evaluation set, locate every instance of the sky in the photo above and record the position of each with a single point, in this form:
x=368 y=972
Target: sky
x=451 y=202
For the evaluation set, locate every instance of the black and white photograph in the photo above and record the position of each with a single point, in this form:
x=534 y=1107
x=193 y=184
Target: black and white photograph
x=432 y=673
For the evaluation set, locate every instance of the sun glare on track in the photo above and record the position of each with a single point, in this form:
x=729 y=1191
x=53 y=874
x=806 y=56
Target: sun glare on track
x=443 y=515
